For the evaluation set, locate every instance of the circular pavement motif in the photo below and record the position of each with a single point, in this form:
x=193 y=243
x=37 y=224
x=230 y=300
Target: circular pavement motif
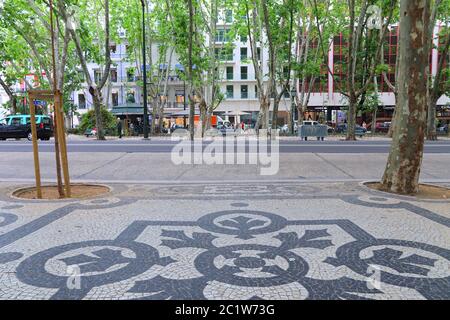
x=269 y=273
x=33 y=269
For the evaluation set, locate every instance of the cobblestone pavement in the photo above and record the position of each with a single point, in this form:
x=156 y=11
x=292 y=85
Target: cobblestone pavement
x=226 y=241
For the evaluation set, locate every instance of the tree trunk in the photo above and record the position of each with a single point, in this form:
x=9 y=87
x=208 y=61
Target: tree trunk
x=191 y=116
x=203 y=118
x=97 y=99
x=264 y=118
x=431 y=120
x=95 y=89
x=374 y=120
x=276 y=104
x=154 y=113
x=405 y=158
x=301 y=114
x=351 y=118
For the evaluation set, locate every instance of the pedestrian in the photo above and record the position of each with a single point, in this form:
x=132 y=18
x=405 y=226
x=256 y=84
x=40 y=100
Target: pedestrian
x=119 y=128
x=364 y=125
x=131 y=129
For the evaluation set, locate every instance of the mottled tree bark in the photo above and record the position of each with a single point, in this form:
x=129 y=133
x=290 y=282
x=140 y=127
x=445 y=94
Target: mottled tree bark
x=405 y=158
x=431 y=119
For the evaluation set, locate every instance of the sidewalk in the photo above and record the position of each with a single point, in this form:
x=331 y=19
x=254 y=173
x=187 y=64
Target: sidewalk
x=226 y=241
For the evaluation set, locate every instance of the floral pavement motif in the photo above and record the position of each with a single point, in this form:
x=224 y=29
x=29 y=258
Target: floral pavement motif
x=242 y=250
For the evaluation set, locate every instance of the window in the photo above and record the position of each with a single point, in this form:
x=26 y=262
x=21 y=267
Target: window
x=224 y=54
x=81 y=101
x=113 y=75
x=130 y=97
x=97 y=76
x=130 y=75
x=113 y=48
x=115 y=99
x=256 y=92
x=243 y=54
x=244 y=75
x=222 y=35
x=258 y=53
x=229 y=73
x=243 y=38
x=16 y=121
x=230 y=91
x=244 y=92
x=228 y=16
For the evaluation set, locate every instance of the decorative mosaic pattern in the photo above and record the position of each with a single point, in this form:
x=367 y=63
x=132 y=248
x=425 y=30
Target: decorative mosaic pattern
x=236 y=252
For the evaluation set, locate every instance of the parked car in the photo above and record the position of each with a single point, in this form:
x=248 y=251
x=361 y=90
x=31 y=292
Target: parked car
x=225 y=130
x=18 y=126
x=382 y=126
x=442 y=129
x=342 y=128
x=310 y=123
x=284 y=129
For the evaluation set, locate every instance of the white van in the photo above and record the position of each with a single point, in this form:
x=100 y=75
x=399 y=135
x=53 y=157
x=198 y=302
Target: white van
x=310 y=123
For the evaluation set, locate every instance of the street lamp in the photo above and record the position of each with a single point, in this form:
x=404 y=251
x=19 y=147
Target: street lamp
x=144 y=71
x=184 y=101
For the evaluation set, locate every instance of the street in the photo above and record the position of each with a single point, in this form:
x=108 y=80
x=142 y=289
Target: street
x=150 y=161
x=156 y=145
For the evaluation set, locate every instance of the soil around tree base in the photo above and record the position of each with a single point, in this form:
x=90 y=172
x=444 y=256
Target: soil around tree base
x=50 y=192
x=426 y=191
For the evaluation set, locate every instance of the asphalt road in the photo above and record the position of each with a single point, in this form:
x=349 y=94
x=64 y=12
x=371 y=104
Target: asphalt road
x=166 y=146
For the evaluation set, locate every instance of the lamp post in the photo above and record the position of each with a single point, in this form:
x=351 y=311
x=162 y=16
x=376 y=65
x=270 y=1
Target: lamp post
x=144 y=72
x=184 y=101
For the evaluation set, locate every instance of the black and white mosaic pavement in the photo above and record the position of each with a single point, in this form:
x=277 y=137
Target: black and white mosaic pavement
x=230 y=241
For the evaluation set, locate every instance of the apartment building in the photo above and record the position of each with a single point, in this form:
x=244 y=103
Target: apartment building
x=3 y=97
x=237 y=80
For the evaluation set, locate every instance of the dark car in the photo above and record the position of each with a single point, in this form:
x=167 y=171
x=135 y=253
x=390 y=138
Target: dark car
x=18 y=126
x=342 y=128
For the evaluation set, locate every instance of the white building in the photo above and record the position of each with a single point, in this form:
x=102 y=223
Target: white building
x=3 y=96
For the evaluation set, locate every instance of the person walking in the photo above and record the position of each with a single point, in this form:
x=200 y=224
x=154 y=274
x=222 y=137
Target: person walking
x=119 y=128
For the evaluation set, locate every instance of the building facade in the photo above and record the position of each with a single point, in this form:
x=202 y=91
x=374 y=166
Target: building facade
x=237 y=80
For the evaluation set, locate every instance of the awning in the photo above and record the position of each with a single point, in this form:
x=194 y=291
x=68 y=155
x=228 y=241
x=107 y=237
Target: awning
x=184 y=113
x=128 y=109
